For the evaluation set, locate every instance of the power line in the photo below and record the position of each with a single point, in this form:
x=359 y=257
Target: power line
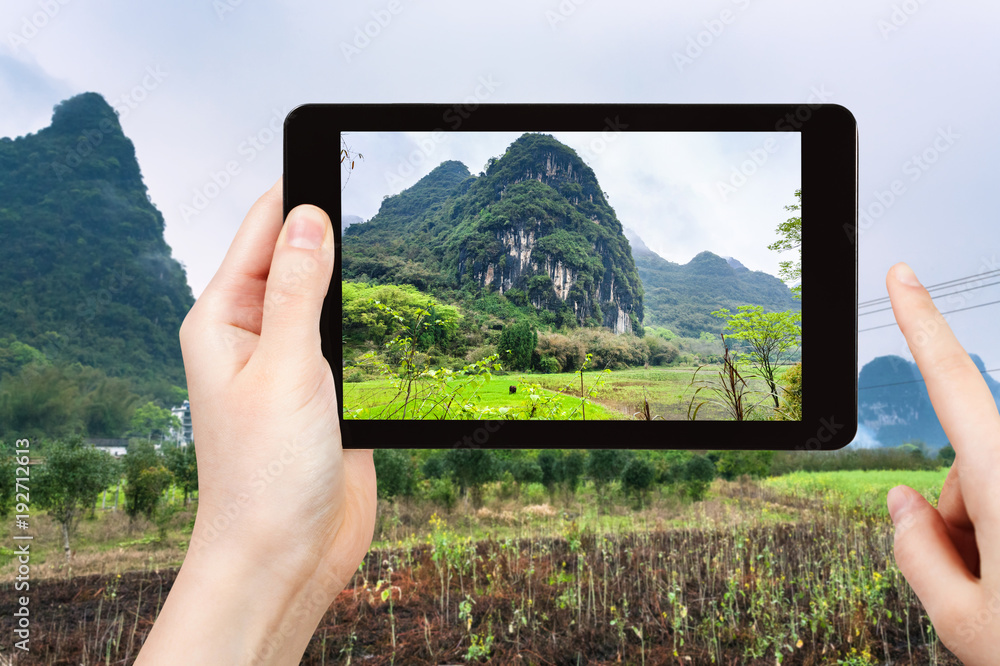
x=941 y=285
x=915 y=381
x=950 y=293
x=971 y=307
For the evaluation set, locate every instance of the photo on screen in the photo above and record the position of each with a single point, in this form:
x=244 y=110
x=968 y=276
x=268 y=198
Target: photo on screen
x=536 y=275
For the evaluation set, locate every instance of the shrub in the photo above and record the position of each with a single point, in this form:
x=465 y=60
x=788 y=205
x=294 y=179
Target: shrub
x=548 y=364
x=394 y=470
x=699 y=471
x=533 y=493
x=638 y=476
x=443 y=492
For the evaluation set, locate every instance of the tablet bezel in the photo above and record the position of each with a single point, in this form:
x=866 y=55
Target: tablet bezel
x=829 y=265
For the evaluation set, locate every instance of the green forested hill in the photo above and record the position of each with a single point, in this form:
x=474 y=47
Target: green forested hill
x=534 y=226
x=682 y=296
x=85 y=274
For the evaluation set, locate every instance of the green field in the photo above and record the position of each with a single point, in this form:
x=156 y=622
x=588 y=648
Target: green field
x=864 y=489
x=617 y=394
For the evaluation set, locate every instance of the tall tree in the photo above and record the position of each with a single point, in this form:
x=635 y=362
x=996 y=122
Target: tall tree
x=183 y=464
x=146 y=477
x=70 y=479
x=791 y=239
x=769 y=337
x=515 y=345
x=150 y=421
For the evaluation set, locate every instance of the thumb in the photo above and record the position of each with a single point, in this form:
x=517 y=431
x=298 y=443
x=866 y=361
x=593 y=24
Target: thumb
x=297 y=283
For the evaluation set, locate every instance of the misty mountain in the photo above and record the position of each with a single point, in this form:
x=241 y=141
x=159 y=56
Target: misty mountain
x=682 y=296
x=894 y=405
x=84 y=270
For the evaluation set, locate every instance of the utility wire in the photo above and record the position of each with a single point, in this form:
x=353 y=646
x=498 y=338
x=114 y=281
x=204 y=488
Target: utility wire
x=941 y=285
x=950 y=293
x=915 y=381
x=971 y=307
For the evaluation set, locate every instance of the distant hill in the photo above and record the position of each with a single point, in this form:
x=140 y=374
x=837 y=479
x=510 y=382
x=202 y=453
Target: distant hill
x=682 y=296
x=85 y=274
x=894 y=405
x=348 y=220
x=534 y=226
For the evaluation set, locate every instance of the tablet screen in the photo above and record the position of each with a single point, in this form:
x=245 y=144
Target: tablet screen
x=609 y=275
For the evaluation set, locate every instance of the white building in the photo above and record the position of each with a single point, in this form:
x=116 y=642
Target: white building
x=184 y=435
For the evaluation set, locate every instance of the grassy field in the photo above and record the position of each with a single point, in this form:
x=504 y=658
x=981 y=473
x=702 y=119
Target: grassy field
x=619 y=394
x=792 y=570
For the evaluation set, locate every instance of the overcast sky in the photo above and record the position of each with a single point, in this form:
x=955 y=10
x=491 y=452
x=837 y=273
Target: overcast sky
x=672 y=188
x=224 y=79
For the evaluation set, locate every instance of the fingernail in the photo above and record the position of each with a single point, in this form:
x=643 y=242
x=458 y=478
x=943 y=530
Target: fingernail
x=899 y=500
x=906 y=275
x=304 y=231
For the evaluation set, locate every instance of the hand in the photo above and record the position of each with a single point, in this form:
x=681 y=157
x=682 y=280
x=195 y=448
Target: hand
x=951 y=555
x=285 y=515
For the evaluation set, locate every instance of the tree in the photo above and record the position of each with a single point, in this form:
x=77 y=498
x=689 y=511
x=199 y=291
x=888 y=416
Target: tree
x=946 y=454
x=734 y=464
x=551 y=463
x=699 y=471
x=151 y=421
x=791 y=401
x=791 y=239
x=182 y=462
x=574 y=464
x=70 y=479
x=605 y=465
x=146 y=477
x=638 y=476
x=515 y=345
x=394 y=470
x=108 y=408
x=471 y=468
x=770 y=337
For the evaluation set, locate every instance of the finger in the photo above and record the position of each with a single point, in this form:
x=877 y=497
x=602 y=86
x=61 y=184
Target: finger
x=226 y=317
x=951 y=506
x=927 y=557
x=297 y=283
x=961 y=399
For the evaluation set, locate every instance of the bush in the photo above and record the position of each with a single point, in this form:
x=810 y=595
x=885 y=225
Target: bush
x=699 y=471
x=394 y=471
x=638 y=477
x=549 y=365
x=533 y=493
x=734 y=464
x=443 y=492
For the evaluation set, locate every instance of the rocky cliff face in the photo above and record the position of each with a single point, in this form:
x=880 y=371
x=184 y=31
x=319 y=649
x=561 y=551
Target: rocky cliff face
x=547 y=231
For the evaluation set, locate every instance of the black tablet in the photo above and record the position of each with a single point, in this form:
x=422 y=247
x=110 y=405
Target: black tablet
x=586 y=275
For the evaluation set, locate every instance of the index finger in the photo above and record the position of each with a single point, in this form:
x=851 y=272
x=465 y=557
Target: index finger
x=961 y=398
